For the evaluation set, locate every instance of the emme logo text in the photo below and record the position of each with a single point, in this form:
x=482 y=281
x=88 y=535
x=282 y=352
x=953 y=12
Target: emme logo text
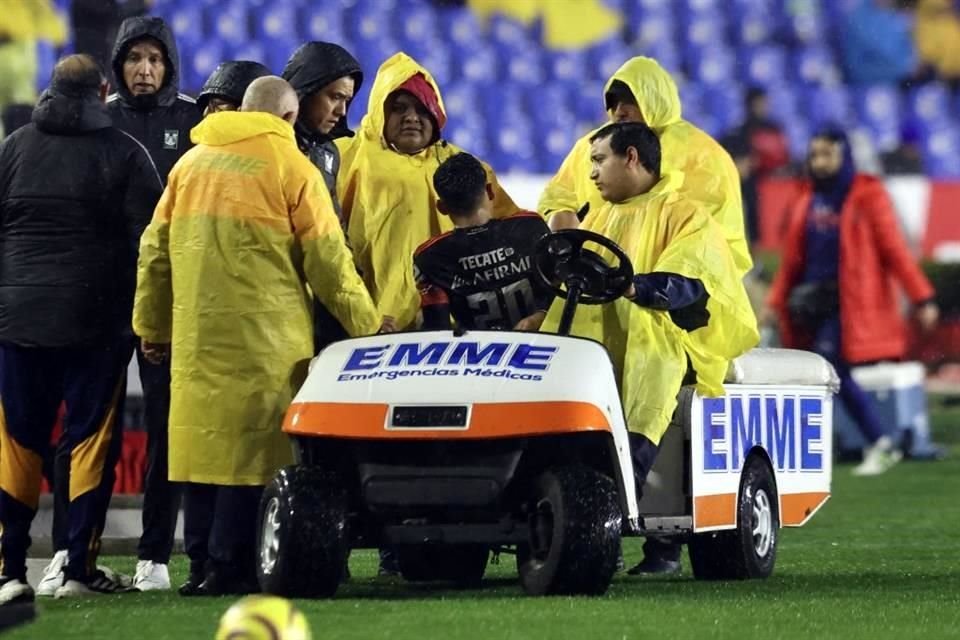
x=469 y=359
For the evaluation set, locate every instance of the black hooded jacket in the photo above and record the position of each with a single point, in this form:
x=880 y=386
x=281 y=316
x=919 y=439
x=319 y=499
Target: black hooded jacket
x=230 y=80
x=312 y=67
x=162 y=121
x=75 y=196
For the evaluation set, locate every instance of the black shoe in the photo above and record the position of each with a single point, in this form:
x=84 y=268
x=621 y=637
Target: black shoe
x=192 y=586
x=389 y=566
x=653 y=566
x=217 y=584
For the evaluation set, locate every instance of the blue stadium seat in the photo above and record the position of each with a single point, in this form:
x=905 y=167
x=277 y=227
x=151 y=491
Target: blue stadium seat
x=275 y=23
x=552 y=105
x=523 y=68
x=929 y=103
x=878 y=105
x=470 y=135
x=807 y=24
x=200 y=63
x=783 y=101
x=460 y=27
x=372 y=53
x=814 y=65
x=564 y=66
x=764 y=64
x=605 y=58
x=478 y=63
x=656 y=29
x=942 y=153
x=321 y=25
x=714 y=65
x=554 y=141
x=188 y=26
x=510 y=35
x=46 y=59
x=230 y=22
x=725 y=103
x=755 y=21
x=250 y=50
x=461 y=100
x=416 y=24
x=588 y=102
x=827 y=104
x=798 y=136
x=435 y=58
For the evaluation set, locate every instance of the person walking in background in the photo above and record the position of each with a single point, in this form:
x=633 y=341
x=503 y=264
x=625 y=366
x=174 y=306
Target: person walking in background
x=758 y=147
x=244 y=236
x=834 y=293
x=76 y=196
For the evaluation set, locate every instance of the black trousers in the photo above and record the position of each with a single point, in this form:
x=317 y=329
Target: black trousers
x=220 y=529
x=644 y=453
x=33 y=384
x=161 y=498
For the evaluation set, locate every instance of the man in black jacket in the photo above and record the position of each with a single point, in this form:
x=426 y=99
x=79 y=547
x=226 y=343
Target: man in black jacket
x=147 y=105
x=326 y=77
x=224 y=89
x=75 y=195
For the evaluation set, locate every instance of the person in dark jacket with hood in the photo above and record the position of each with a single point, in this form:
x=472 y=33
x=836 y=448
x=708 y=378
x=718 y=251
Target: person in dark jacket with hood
x=148 y=106
x=75 y=196
x=224 y=89
x=325 y=77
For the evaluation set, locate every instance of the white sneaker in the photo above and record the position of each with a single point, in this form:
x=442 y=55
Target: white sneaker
x=151 y=576
x=52 y=575
x=14 y=591
x=878 y=458
x=99 y=584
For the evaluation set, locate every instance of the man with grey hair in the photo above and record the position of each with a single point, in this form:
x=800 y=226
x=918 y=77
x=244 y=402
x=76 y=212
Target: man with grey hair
x=244 y=235
x=76 y=195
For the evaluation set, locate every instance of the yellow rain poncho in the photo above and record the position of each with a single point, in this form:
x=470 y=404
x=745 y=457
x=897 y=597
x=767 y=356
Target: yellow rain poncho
x=709 y=174
x=244 y=220
x=388 y=199
x=662 y=231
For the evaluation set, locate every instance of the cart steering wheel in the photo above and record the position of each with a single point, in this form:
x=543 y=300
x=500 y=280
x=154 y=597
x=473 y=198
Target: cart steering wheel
x=579 y=275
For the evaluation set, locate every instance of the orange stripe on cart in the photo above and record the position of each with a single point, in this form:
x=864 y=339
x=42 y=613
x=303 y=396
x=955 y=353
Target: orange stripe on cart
x=718 y=510
x=796 y=508
x=487 y=420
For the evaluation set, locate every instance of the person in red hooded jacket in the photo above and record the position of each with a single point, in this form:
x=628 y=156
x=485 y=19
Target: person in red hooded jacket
x=835 y=293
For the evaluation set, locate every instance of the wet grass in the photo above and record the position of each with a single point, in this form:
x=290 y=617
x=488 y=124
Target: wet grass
x=880 y=560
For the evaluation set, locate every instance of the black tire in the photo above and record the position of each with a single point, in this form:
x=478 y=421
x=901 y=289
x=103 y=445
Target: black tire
x=302 y=541
x=462 y=564
x=750 y=550
x=574 y=534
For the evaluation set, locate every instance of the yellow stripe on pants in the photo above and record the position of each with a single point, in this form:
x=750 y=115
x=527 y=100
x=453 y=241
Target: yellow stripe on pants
x=89 y=456
x=20 y=468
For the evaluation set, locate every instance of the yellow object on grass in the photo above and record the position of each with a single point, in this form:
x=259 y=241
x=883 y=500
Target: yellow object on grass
x=263 y=618
x=709 y=174
x=388 y=200
x=661 y=231
x=244 y=224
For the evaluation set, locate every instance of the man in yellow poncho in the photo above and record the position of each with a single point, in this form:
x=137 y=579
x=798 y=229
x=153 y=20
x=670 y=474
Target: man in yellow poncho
x=385 y=181
x=245 y=223
x=686 y=309
x=642 y=91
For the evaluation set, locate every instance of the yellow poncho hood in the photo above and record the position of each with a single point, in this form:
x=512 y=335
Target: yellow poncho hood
x=244 y=225
x=709 y=174
x=388 y=200
x=661 y=231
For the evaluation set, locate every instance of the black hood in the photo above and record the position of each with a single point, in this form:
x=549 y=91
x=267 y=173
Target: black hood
x=64 y=114
x=230 y=81
x=313 y=66
x=134 y=29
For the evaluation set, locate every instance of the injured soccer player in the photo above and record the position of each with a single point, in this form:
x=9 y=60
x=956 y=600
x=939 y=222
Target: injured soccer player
x=686 y=313
x=481 y=272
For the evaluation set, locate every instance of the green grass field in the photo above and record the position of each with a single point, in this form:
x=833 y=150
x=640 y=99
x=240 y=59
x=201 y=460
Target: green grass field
x=880 y=560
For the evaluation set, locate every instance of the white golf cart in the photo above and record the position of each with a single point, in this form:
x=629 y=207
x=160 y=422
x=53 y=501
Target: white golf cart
x=447 y=445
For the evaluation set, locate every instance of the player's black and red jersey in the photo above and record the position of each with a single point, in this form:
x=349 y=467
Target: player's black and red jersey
x=482 y=276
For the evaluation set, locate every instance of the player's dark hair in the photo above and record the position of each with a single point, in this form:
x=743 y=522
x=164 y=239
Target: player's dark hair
x=624 y=135
x=460 y=181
